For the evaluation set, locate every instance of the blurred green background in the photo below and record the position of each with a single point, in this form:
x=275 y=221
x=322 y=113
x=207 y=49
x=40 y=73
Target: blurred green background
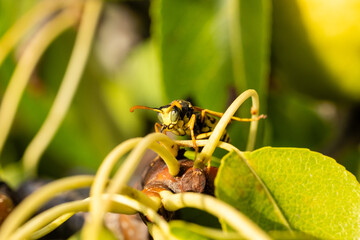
x=302 y=56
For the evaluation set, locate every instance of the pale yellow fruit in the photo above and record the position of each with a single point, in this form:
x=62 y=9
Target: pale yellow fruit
x=316 y=46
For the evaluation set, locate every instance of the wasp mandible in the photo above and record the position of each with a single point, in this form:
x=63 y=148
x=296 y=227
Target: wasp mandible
x=182 y=118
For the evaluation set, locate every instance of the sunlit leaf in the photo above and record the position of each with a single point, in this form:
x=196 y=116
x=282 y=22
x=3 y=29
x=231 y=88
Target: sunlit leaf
x=236 y=185
x=188 y=231
x=194 y=51
x=314 y=193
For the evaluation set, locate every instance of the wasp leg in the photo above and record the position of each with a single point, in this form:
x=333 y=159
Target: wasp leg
x=191 y=127
x=158 y=127
x=202 y=115
x=225 y=137
x=203 y=112
x=204 y=135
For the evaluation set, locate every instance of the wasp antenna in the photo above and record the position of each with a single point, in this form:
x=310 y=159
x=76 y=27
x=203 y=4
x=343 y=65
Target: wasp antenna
x=174 y=103
x=262 y=116
x=144 y=107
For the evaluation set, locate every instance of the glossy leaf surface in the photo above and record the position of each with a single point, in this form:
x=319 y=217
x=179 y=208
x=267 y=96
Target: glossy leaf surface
x=314 y=194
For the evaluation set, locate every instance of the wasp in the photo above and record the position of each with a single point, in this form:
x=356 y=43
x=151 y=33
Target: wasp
x=181 y=118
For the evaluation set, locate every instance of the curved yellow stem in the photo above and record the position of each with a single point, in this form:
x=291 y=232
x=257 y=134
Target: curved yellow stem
x=40 y=11
x=209 y=148
x=102 y=178
x=68 y=86
x=228 y=147
x=25 y=67
x=28 y=206
x=51 y=226
x=127 y=168
x=238 y=221
x=46 y=221
x=119 y=181
x=64 y=211
x=89 y=233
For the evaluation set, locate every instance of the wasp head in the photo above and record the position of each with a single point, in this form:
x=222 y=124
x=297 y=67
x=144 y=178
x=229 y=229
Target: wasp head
x=169 y=116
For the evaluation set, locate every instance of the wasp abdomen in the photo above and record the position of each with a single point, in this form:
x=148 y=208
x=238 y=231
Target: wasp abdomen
x=225 y=137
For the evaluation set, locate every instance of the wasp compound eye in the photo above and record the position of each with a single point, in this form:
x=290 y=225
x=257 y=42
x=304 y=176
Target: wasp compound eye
x=160 y=118
x=174 y=115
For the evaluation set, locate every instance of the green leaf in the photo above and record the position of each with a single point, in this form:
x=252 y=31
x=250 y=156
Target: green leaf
x=290 y=235
x=236 y=184
x=194 y=51
x=209 y=49
x=131 y=87
x=250 y=56
x=250 y=45
x=314 y=194
x=193 y=215
x=295 y=122
x=185 y=230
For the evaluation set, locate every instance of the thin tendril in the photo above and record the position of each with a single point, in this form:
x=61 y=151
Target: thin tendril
x=29 y=205
x=209 y=148
x=40 y=11
x=238 y=221
x=68 y=87
x=125 y=171
x=25 y=68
